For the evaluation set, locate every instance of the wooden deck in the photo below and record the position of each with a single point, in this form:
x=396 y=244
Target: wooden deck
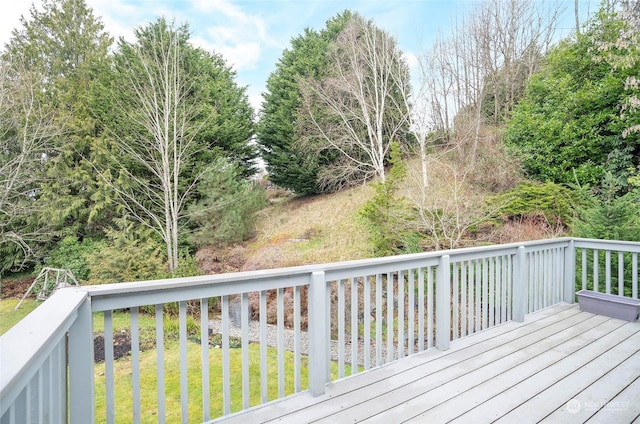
x=560 y=365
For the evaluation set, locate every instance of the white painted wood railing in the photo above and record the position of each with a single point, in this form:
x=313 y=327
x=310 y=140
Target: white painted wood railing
x=341 y=319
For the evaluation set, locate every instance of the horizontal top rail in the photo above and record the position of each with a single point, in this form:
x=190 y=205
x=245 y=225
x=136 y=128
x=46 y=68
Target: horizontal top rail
x=27 y=345
x=627 y=246
x=124 y=295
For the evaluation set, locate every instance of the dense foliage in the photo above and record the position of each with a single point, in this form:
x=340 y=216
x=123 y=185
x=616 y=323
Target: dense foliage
x=117 y=161
x=290 y=164
x=388 y=215
x=80 y=149
x=569 y=127
x=224 y=213
x=554 y=202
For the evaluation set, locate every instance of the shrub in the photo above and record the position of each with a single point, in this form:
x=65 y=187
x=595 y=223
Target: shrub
x=387 y=215
x=607 y=215
x=224 y=213
x=552 y=201
x=72 y=254
x=127 y=254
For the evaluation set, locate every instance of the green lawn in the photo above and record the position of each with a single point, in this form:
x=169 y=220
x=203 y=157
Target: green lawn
x=148 y=365
x=149 y=406
x=9 y=317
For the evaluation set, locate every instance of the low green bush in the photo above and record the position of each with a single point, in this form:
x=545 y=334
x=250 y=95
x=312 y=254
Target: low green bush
x=555 y=202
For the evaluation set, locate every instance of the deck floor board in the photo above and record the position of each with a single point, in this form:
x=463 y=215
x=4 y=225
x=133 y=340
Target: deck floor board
x=514 y=372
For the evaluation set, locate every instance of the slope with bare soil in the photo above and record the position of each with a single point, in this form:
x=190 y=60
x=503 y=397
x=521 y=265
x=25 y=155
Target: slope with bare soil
x=296 y=231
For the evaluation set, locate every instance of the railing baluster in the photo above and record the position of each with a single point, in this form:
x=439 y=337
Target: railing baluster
x=379 y=318
x=455 y=300
x=485 y=293
x=108 y=366
x=492 y=292
x=411 y=313
x=367 y=322
x=184 y=376
x=401 y=333
x=39 y=392
x=463 y=299
x=354 y=326
x=327 y=331
x=471 y=298
x=620 y=273
x=297 y=362
x=160 y=363
x=508 y=286
x=584 y=268
x=421 y=309
x=59 y=410
x=596 y=269
x=135 y=364
x=546 y=273
x=204 y=358
x=430 y=306
x=498 y=290
x=390 y=320
x=226 y=375
x=341 y=329
x=532 y=287
x=634 y=278
x=607 y=271
x=46 y=388
x=264 y=395
x=280 y=319
x=478 y=289
x=244 y=323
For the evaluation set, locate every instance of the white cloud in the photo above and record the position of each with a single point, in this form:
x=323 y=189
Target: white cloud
x=239 y=55
x=10 y=18
x=238 y=36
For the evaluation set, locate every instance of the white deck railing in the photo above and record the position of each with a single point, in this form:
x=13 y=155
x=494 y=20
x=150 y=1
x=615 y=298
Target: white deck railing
x=358 y=315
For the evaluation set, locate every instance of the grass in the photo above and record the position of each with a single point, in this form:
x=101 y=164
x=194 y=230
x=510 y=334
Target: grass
x=317 y=229
x=148 y=378
x=10 y=317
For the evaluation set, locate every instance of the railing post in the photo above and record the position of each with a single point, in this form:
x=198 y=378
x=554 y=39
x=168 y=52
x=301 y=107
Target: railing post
x=519 y=285
x=80 y=392
x=318 y=343
x=569 y=287
x=443 y=303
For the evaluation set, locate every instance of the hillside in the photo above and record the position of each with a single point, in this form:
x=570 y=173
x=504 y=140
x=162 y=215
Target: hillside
x=327 y=228
x=295 y=231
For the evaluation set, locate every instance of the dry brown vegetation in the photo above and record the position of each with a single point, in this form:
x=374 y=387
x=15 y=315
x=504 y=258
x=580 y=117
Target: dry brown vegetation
x=296 y=231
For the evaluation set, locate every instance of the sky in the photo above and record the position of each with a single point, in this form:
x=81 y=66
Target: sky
x=251 y=34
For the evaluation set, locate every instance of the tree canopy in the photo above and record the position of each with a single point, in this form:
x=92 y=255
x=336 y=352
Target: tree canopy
x=569 y=127
x=289 y=163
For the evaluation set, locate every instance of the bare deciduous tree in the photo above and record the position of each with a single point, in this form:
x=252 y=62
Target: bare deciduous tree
x=470 y=79
x=157 y=133
x=361 y=105
x=27 y=128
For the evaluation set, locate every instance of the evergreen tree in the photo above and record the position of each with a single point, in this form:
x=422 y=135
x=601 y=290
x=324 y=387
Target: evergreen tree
x=568 y=128
x=290 y=164
x=66 y=44
x=175 y=110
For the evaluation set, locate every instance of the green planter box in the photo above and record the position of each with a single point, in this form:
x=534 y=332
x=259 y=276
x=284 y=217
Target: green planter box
x=609 y=304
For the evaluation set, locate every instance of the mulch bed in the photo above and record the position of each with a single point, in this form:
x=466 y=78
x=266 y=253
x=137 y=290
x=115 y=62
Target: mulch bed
x=122 y=344
x=16 y=287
